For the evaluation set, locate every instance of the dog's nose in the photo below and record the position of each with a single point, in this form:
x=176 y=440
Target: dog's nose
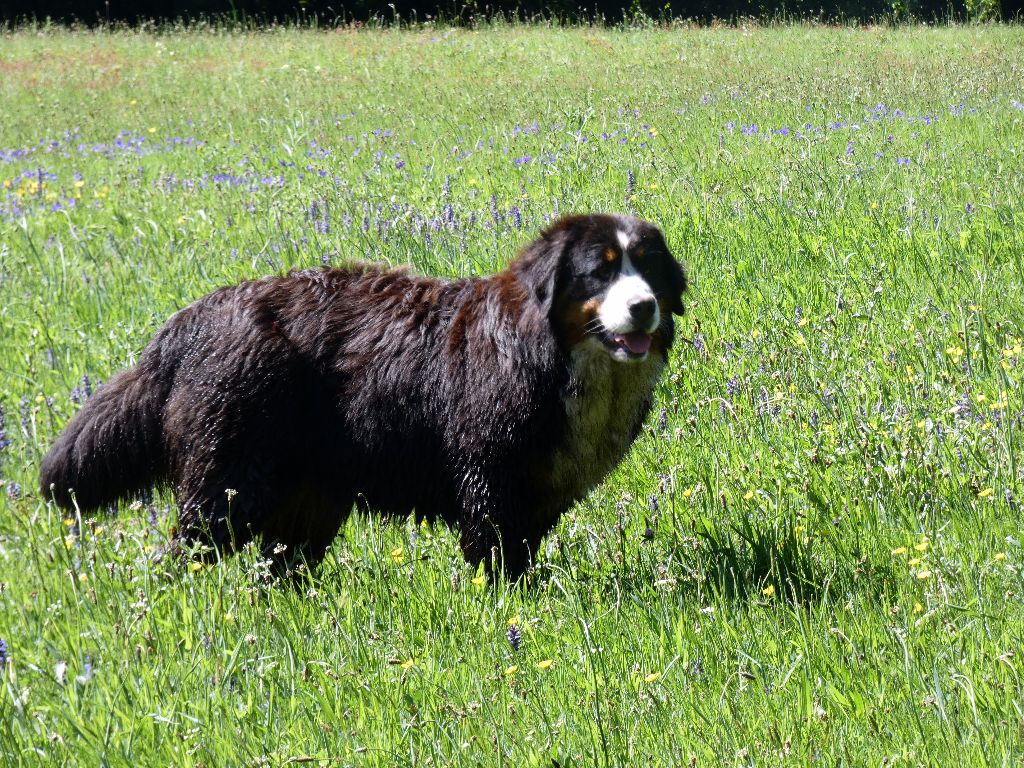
x=641 y=311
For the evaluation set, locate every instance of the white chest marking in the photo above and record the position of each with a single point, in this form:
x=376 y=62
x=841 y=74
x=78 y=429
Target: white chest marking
x=609 y=401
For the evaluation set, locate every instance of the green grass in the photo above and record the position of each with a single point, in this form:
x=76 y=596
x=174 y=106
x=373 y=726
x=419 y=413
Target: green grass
x=848 y=385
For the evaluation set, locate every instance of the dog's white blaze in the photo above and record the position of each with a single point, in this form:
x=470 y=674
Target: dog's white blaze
x=627 y=289
x=623 y=240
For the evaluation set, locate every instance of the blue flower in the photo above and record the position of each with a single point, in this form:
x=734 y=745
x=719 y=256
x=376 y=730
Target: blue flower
x=515 y=637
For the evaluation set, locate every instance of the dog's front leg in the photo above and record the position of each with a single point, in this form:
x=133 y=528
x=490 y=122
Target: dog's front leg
x=491 y=527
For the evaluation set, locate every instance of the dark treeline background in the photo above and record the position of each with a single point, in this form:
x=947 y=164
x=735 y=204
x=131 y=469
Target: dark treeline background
x=332 y=12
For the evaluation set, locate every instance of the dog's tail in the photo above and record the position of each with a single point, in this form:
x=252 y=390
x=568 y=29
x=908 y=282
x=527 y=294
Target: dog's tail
x=113 y=447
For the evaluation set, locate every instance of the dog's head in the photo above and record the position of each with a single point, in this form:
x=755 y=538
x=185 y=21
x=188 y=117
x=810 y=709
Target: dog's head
x=606 y=280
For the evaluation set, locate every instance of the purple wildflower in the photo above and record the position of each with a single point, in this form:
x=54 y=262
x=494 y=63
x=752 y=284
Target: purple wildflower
x=699 y=345
x=4 y=655
x=4 y=441
x=517 y=218
x=515 y=637
x=732 y=387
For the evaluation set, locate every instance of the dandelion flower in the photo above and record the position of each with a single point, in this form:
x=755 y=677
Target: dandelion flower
x=83 y=577
x=1000 y=556
x=408 y=664
x=900 y=551
x=509 y=671
x=985 y=493
x=748 y=495
x=546 y=664
x=925 y=574
x=652 y=677
x=195 y=566
x=478 y=581
x=769 y=591
x=914 y=561
x=397 y=555
x=923 y=546
x=918 y=607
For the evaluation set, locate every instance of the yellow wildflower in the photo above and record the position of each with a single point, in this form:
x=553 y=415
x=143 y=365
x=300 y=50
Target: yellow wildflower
x=511 y=670
x=546 y=664
x=925 y=574
x=769 y=591
x=748 y=495
x=652 y=677
x=914 y=561
x=900 y=551
x=478 y=581
x=408 y=664
x=918 y=607
x=1000 y=556
x=397 y=555
x=985 y=493
x=923 y=546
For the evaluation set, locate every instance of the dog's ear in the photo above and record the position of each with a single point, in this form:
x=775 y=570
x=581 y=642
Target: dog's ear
x=539 y=266
x=678 y=284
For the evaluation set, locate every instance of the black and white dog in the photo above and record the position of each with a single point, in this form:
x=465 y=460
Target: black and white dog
x=273 y=406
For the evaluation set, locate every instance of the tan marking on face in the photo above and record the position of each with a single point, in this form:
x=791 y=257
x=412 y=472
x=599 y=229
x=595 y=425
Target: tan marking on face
x=610 y=254
x=573 y=318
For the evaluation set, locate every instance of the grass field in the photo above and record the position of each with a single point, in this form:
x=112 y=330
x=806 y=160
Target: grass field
x=813 y=554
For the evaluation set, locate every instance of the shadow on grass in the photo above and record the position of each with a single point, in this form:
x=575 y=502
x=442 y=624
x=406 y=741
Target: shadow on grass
x=747 y=561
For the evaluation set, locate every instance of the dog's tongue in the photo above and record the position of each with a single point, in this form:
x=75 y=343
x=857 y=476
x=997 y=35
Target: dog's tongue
x=636 y=342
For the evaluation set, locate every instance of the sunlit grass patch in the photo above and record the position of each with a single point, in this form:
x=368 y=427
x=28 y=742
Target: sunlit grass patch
x=813 y=551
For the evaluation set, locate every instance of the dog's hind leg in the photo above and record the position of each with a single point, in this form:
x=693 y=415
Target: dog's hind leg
x=310 y=519
x=224 y=510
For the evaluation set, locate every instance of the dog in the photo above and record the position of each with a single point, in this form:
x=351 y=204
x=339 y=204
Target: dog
x=274 y=406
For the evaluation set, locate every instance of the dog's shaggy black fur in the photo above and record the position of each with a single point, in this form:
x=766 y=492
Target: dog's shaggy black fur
x=273 y=406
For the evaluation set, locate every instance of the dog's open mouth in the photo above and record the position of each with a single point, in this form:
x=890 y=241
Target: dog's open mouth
x=634 y=343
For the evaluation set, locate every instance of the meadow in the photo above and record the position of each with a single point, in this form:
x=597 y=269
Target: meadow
x=812 y=555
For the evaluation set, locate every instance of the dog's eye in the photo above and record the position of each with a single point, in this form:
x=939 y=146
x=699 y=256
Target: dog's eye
x=603 y=268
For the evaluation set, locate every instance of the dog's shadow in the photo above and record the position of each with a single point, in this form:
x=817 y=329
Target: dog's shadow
x=750 y=561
